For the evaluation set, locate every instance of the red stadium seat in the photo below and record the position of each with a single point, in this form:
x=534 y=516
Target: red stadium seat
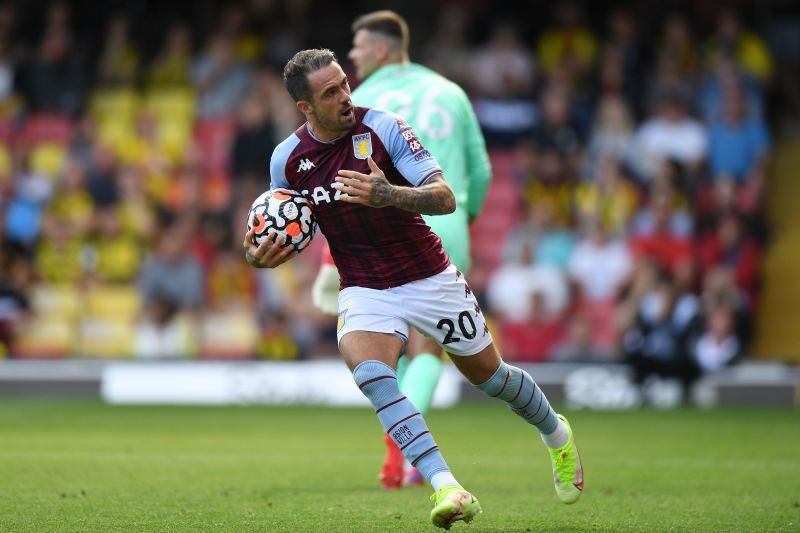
x=50 y=128
x=500 y=213
x=602 y=316
x=213 y=138
x=7 y=130
x=503 y=163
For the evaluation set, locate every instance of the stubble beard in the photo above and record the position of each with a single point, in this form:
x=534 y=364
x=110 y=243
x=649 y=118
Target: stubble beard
x=335 y=126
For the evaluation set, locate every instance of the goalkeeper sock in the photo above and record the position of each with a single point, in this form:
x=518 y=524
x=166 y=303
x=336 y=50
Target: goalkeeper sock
x=402 y=368
x=517 y=388
x=420 y=380
x=399 y=417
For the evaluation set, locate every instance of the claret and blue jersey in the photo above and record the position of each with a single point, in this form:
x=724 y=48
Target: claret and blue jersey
x=373 y=248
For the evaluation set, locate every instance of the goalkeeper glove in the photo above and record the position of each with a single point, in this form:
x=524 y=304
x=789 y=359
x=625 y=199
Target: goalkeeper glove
x=325 y=291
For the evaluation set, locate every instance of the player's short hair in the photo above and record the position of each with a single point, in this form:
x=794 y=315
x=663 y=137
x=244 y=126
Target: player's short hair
x=296 y=71
x=385 y=22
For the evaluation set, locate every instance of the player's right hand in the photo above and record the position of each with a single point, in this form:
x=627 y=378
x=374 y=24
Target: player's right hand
x=325 y=291
x=269 y=253
x=372 y=190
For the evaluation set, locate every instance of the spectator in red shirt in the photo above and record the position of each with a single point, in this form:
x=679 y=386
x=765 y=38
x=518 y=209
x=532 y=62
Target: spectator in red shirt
x=663 y=236
x=730 y=247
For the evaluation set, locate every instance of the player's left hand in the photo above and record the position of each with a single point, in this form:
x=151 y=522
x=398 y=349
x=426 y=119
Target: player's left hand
x=372 y=190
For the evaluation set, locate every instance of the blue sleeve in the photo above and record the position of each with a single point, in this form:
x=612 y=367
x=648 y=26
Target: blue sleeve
x=414 y=162
x=277 y=165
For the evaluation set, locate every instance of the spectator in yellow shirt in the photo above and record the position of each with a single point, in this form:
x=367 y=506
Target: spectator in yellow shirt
x=570 y=46
x=748 y=48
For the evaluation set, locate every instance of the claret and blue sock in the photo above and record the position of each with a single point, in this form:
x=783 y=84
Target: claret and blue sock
x=402 y=422
x=517 y=388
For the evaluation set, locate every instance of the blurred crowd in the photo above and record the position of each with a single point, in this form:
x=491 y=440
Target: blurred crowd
x=642 y=174
x=625 y=220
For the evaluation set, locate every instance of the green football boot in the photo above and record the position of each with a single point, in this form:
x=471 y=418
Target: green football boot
x=567 y=468
x=451 y=504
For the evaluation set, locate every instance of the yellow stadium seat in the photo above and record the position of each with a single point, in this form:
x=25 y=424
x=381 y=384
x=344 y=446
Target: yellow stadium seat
x=48 y=158
x=172 y=111
x=135 y=151
x=105 y=337
x=46 y=335
x=119 y=302
x=229 y=335
x=120 y=104
x=64 y=301
x=173 y=137
x=115 y=112
x=175 y=103
x=5 y=161
x=116 y=133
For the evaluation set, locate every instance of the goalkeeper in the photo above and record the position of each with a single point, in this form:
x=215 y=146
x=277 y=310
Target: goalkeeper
x=445 y=122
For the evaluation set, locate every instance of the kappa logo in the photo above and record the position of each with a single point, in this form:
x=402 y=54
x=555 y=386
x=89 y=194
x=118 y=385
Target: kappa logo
x=362 y=145
x=305 y=164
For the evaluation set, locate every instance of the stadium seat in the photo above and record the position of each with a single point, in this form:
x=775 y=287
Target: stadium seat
x=173 y=137
x=45 y=127
x=172 y=111
x=487 y=246
x=48 y=158
x=489 y=231
x=501 y=211
x=503 y=163
x=171 y=103
x=113 y=301
x=229 y=335
x=46 y=136
x=116 y=134
x=504 y=191
x=119 y=104
x=46 y=336
x=602 y=318
x=65 y=301
x=115 y=113
x=103 y=337
x=7 y=130
x=6 y=163
x=213 y=138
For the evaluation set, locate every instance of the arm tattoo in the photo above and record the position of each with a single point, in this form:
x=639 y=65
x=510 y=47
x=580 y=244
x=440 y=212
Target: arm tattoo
x=381 y=193
x=434 y=198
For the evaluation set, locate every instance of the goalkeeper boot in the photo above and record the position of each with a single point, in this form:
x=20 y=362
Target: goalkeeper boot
x=567 y=468
x=451 y=504
x=391 y=475
x=413 y=478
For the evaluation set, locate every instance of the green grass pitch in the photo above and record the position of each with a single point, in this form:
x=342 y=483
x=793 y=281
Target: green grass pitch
x=84 y=466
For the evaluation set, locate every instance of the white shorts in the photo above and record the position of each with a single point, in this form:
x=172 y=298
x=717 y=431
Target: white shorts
x=441 y=306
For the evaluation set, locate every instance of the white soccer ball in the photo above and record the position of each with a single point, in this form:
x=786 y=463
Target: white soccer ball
x=286 y=213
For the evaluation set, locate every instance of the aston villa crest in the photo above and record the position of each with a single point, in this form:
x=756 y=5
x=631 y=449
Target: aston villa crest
x=362 y=145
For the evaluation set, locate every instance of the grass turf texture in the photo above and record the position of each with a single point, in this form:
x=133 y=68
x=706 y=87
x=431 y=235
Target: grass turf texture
x=84 y=466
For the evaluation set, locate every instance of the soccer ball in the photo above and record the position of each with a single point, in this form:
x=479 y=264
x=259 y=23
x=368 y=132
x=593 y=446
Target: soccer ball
x=286 y=213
